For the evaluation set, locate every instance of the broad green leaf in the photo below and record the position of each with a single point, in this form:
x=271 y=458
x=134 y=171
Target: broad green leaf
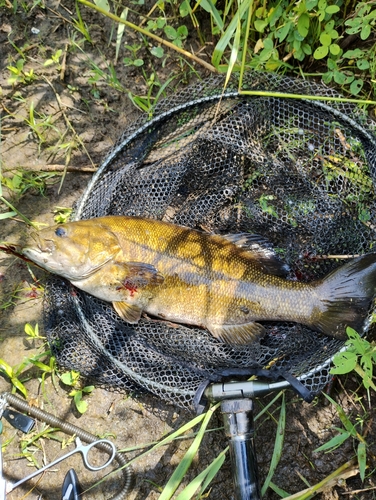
x=349 y=79
x=182 y=31
x=332 y=64
x=356 y=86
x=81 y=405
x=332 y=9
x=185 y=8
x=344 y=362
x=69 y=378
x=366 y=31
x=362 y=64
x=170 y=32
x=335 y=49
x=361 y=345
x=325 y=39
x=260 y=25
x=303 y=25
x=353 y=54
x=282 y=32
x=339 y=77
x=274 y=15
x=103 y=4
x=310 y=4
x=306 y=49
x=355 y=23
x=89 y=388
x=157 y=52
x=327 y=77
x=321 y=52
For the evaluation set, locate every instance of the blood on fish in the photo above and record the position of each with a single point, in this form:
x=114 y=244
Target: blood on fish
x=128 y=285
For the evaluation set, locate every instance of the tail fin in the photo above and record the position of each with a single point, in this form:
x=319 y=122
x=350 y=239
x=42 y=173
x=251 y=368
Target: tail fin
x=346 y=295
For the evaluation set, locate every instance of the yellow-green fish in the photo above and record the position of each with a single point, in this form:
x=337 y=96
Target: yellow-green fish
x=223 y=283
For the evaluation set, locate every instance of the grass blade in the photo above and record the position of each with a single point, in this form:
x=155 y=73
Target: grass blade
x=234 y=51
x=120 y=31
x=205 y=477
x=211 y=9
x=227 y=35
x=278 y=445
x=362 y=460
x=282 y=493
x=7 y=214
x=334 y=442
x=184 y=465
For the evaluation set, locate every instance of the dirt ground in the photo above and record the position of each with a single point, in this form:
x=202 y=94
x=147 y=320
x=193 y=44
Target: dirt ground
x=86 y=118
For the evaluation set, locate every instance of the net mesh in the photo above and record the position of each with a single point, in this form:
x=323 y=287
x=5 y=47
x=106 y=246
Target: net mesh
x=297 y=171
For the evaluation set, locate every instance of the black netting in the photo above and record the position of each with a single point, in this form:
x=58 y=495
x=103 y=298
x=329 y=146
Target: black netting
x=297 y=171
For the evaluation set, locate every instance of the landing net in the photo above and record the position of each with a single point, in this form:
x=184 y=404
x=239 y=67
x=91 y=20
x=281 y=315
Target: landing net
x=298 y=172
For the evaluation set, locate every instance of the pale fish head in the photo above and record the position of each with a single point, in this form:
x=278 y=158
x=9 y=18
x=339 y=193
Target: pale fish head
x=73 y=250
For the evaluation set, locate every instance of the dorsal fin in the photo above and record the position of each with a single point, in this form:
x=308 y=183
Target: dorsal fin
x=261 y=250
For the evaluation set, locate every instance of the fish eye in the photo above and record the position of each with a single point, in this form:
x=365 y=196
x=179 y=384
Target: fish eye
x=60 y=232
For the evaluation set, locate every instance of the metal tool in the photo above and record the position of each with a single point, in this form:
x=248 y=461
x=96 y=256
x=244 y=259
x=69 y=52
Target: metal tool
x=23 y=422
x=2 y=479
x=80 y=448
x=71 y=487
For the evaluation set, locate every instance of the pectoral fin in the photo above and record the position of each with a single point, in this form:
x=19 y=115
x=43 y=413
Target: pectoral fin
x=129 y=312
x=140 y=274
x=237 y=334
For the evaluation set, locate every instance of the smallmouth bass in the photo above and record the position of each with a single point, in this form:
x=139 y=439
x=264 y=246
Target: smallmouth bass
x=226 y=284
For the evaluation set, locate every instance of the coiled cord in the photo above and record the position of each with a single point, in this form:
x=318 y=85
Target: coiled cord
x=72 y=429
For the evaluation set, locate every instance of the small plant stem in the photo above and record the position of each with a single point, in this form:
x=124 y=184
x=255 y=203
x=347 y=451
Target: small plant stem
x=346 y=470
x=147 y=33
x=245 y=44
x=359 y=370
x=303 y=96
x=87 y=169
x=70 y=127
x=25 y=219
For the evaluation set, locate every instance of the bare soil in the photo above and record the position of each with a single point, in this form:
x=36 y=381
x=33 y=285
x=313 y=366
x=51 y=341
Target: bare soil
x=90 y=116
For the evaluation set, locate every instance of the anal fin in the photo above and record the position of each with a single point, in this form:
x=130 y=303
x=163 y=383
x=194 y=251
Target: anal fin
x=129 y=312
x=237 y=334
